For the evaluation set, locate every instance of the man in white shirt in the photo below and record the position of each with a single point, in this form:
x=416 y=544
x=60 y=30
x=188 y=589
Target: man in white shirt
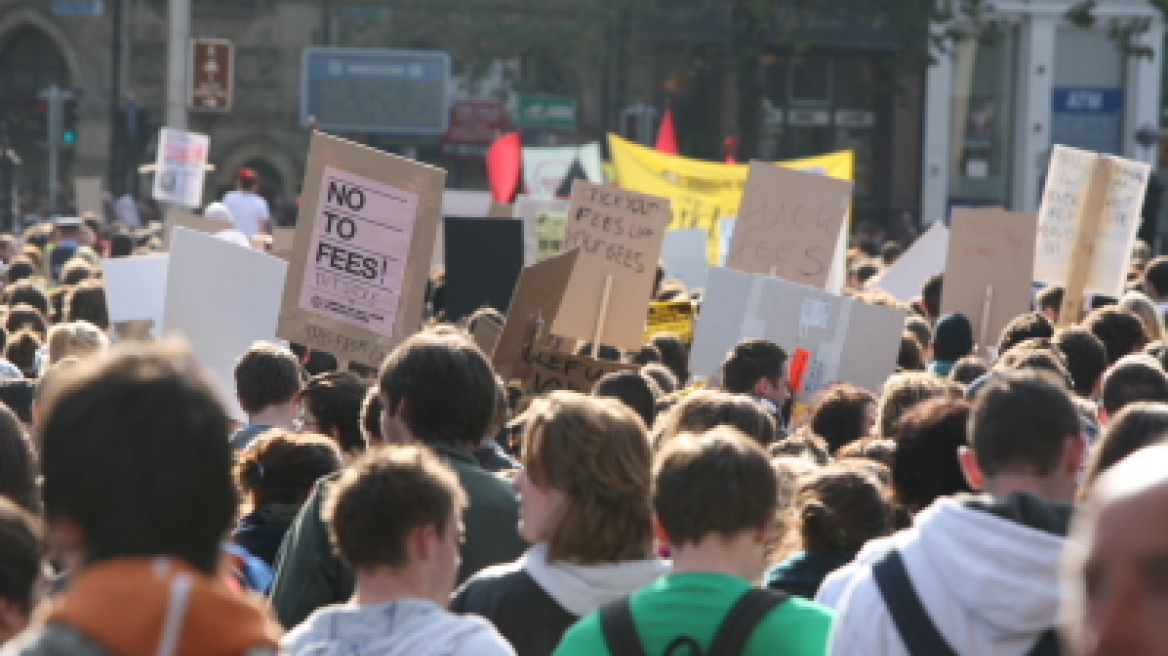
x=249 y=210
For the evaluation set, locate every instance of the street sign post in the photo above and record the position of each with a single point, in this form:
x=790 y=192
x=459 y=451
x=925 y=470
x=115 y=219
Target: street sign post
x=212 y=75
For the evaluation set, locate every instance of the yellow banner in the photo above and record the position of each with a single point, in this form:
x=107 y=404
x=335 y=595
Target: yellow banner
x=671 y=317
x=703 y=192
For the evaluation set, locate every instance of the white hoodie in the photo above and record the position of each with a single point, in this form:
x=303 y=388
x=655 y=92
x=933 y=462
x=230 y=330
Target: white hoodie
x=414 y=627
x=581 y=589
x=989 y=584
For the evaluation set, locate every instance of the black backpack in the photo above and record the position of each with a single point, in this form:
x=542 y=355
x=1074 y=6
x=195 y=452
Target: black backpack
x=620 y=632
x=917 y=630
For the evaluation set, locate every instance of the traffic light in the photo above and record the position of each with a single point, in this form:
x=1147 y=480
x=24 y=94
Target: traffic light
x=69 y=123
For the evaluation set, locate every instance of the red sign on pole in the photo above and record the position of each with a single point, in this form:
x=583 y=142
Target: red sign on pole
x=476 y=121
x=212 y=74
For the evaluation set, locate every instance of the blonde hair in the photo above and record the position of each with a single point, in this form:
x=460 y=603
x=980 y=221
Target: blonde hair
x=903 y=391
x=1143 y=307
x=75 y=339
x=707 y=409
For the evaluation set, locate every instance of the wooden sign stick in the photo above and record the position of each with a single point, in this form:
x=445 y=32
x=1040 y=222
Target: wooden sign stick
x=1083 y=254
x=600 y=319
x=986 y=307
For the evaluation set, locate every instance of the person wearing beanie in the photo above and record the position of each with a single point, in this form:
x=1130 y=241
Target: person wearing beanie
x=952 y=340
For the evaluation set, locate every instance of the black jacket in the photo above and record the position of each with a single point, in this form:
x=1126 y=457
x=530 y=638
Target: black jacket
x=511 y=600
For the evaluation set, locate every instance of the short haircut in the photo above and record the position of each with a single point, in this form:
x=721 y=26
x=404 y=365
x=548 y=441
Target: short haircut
x=1020 y=423
x=26 y=317
x=911 y=356
x=968 y=369
x=86 y=302
x=21 y=268
x=1156 y=275
x=382 y=497
x=705 y=410
x=1139 y=304
x=21 y=351
x=133 y=452
x=674 y=354
x=637 y=391
x=1120 y=330
x=803 y=444
x=901 y=392
x=1044 y=358
x=22 y=553
x=1026 y=326
x=17 y=463
x=1136 y=426
x=371 y=417
x=75 y=339
x=890 y=252
x=926 y=466
x=661 y=375
x=841 y=416
x=840 y=507
x=931 y=294
x=876 y=450
x=1134 y=378
x=717 y=482
x=267 y=375
x=1051 y=298
x=283 y=466
x=920 y=328
x=596 y=453
x=750 y=361
x=76 y=270
x=28 y=292
x=335 y=399
x=447 y=383
x=18 y=394
x=1084 y=355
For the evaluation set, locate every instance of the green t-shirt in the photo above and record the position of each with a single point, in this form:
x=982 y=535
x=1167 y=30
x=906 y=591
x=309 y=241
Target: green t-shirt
x=694 y=604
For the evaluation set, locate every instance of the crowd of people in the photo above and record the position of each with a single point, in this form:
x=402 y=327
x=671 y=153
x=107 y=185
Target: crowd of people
x=990 y=499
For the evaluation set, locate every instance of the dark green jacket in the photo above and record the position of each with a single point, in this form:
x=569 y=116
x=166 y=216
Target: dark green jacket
x=309 y=575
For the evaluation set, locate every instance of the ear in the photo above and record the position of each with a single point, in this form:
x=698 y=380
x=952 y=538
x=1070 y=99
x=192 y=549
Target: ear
x=660 y=533
x=762 y=386
x=1074 y=453
x=423 y=542
x=973 y=473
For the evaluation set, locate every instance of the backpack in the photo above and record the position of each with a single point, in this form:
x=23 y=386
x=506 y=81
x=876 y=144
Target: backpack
x=917 y=630
x=620 y=632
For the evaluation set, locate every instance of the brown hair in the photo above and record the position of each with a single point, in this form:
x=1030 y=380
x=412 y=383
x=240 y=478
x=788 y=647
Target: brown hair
x=707 y=409
x=1136 y=426
x=283 y=466
x=267 y=374
x=21 y=351
x=1020 y=423
x=76 y=339
x=86 y=301
x=26 y=317
x=841 y=416
x=903 y=391
x=840 y=507
x=596 y=453
x=877 y=450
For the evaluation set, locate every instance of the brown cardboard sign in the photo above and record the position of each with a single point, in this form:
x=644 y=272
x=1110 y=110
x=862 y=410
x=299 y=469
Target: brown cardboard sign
x=179 y=218
x=358 y=270
x=486 y=335
x=282 y=242
x=619 y=234
x=789 y=224
x=990 y=265
x=553 y=371
x=537 y=300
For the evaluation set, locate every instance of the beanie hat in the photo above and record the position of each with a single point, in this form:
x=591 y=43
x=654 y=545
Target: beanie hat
x=952 y=338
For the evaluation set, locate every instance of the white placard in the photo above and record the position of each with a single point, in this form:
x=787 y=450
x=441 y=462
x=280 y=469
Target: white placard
x=530 y=210
x=545 y=167
x=907 y=275
x=684 y=253
x=180 y=167
x=135 y=288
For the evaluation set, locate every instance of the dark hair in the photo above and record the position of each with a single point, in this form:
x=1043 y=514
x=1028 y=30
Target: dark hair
x=1020 y=422
x=21 y=351
x=1043 y=358
x=122 y=245
x=133 y=452
x=335 y=399
x=17 y=463
x=28 y=292
x=282 y=467
x=931 y=294
x=750 y=361
x=890 y=252
x=1133 y=378
x=22 y=552
x=1051 y=298
x=18 y=394
x=1136 y=426
x=925 y=465
x=607 y=353
x=968 y=369
x=20 y=268
x=1023 y=327
x=840 y=507
x=661 y=375
x=717 y=482
x=371 y=417
x=920 y=328
x=910 y=357
x=75 y=271
x=1120 y=330
x=86 y=302
x=1084 y=355
x=388 y=492
x=952 y=337
x=874 y=449
x=636 y=391
x=267 y=375
x=674 y=354
x=803 y=444
x=1156 y=275
x=448 y=386
x=26 y=317
x=646 y=355
x=841 y=416
x=866 y=272
x=705 y=410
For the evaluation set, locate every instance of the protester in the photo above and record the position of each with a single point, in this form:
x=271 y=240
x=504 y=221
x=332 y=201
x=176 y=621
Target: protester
x=758 y=368
x=926 y=464
x=79 y=339
x=704 y=410
x=1050 y=302
x=635 y=390
x=22 y=568
x=901 y=392
x=1139 y=304
x=21 y=351
x=845 y=413
x=332 y=407
x=920 y=328
x=1156 y=283
x=1137 y=425
x=952 y=340
x=968 y=369
x=911 y=356
x=1120 y=330
x=661 y=375
x=268 y=381
x=1133 y=378
x=247 y=209
x=86 y=302
x=18 y=471
x=931 y=297
x=674 y=354
x=1032 y=325
x=1085 y=357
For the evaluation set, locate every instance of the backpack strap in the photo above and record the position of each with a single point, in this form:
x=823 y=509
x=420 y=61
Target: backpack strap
x=916 y=628
x=616 y=619
x=740 y=622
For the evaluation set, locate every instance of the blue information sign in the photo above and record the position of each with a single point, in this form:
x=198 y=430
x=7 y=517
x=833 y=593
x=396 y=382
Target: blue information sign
x=376 y=91
x=1090 y=118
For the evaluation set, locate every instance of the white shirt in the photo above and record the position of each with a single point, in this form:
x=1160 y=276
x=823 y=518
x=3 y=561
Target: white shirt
x=248 y=210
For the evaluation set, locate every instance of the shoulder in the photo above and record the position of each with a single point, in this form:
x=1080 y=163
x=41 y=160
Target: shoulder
x=483 y=486
x=585 y=638
x=796 y=626
x=495 y=586
x=482 y=639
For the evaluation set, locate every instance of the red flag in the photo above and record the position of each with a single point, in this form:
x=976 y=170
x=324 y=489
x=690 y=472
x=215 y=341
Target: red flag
x=731 y=149
x=667 y=135
x=504 y=164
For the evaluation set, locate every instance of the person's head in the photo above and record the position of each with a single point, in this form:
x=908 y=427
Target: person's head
x=757 y=367
x=371 y=417
x=1085 y=357
x=134 y=458
x=1024 y=433
x=666 y=381
x=704 y=410
x=584 y=487
x=911 y=356
x=901 y=392
x=1120 y=330
x=632 y=388
x=717 y=486
x=282 y=467
x=804 y=445
x=246 y=180
x=968 y=369
x=1139 y=304
x=869 y=450
x=1044 y=358
x=397 y=509
x=28 y=292
x=17 y=463
x=926 y=464
x=920 y=328
x=845 y=413
x=22 y=558
x=79 y=339
x=20 y=268
x=86 y=302
x=931 y=296
x=332 y=407
x=1113 y=563
x=1032 y=325
x=268 y=379
x=1136 y=426
x=75 y=271
x=647 y=354
x=17 y=394
x=1050 y=302
x=26 y=317
x=1156 y=279
x=890 y=252
x=674 y=354
x=840 y=507
x=952 y=338
x=437 y=386
x=1133 y=378
x=21 y=351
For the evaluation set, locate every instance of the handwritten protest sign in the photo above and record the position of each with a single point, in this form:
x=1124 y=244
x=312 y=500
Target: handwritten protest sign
x=619 y=234
x=537 y=300
x=671 y=317
x=553 y=371
x=990 y=261
x=905 y=278
x=181 y=167
x=361 y=255
x=789 y=224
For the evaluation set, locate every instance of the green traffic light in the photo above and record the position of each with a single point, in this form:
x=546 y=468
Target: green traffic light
x=69 y=136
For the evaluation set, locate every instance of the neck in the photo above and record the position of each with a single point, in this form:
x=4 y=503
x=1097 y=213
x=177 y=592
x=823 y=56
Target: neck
x=279 y=416
x=1050 y=488
x=738 y=555
x=384 y=585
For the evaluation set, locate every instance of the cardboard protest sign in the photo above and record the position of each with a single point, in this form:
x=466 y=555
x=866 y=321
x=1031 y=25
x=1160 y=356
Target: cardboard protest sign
x=846 y=340
x=222 y=298
x=536 y=301
x=181 y=167
x=87 y=193
x=282 y=241
x=484 y=258
x=619 y=234
x=361 y=256
x=501 y=210
x=459 y=202
x=553 y=371
x=672 y=317
x=927 y=255
x=684 y=254
x=789 y=224
x=135 y=289
x=180 y=218
x=990 y=262
x=543 y=227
